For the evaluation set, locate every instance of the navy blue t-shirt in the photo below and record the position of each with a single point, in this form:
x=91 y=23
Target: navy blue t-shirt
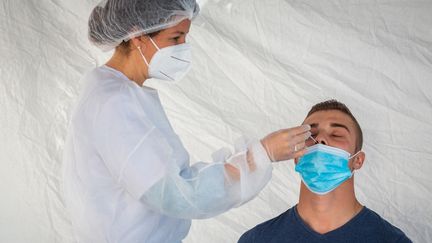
x=366 y=226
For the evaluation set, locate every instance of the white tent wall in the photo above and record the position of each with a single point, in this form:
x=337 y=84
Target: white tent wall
x=258 y=66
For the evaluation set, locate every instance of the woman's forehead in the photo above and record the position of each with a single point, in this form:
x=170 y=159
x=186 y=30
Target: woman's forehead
x=183 y=26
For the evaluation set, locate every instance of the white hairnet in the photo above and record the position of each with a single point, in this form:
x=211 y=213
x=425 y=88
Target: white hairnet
x=114 y=21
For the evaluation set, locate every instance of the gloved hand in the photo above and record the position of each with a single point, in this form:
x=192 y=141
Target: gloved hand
x=286 y=144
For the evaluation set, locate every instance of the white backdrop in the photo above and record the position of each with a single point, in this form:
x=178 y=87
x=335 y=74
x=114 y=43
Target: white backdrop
x=258 y=66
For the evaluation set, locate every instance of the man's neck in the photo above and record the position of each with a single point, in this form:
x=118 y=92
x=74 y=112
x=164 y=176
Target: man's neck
x=328 y=212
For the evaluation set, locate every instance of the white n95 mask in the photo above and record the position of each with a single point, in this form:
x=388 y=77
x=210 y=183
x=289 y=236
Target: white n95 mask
x=170 y=63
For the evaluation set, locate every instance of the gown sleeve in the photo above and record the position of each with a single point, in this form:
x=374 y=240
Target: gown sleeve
x=141 y=160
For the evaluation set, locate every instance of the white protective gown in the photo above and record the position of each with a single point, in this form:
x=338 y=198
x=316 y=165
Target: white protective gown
x=127 y=176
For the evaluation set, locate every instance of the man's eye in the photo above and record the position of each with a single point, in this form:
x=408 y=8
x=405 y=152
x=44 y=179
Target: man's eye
x=176 y=38
x=336 y=135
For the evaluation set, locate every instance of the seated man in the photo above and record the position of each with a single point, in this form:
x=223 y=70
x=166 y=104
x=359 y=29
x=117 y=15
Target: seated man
x=328 y=210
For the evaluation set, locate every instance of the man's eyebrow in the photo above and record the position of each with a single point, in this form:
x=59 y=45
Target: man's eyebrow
x=314 y=125
x=340 y=125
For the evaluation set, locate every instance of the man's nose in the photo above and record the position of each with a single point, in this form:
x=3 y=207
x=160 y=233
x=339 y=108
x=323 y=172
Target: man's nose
x=321 y=139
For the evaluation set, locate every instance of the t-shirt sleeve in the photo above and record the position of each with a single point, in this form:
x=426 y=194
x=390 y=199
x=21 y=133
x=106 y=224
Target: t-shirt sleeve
x=247 y=237
x=387 y=231
x=404 y=239
x=130 y=145
x=394 y=234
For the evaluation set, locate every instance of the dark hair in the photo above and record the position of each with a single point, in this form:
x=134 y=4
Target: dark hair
x=336 y=105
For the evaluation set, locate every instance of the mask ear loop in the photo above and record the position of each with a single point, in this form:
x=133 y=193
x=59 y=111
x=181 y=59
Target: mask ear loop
x=152 y=41
x=139 y=49
x=142 y=55
x=354 y=155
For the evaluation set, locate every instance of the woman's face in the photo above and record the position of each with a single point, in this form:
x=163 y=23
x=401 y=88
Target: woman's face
x=174 y=35
x=168 y=37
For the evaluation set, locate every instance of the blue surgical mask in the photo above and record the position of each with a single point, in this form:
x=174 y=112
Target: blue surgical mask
x=323 y=168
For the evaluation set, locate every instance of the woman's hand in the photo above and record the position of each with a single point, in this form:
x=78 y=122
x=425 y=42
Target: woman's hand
x=286 y=144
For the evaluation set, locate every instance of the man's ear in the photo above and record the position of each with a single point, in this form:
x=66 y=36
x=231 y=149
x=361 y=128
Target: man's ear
x=358 y=160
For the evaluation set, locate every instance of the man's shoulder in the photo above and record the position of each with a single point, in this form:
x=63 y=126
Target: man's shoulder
x=268 y=228
x=385 y=228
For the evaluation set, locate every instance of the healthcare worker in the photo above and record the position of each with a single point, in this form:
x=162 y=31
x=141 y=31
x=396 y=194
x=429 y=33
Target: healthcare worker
x=127 y=176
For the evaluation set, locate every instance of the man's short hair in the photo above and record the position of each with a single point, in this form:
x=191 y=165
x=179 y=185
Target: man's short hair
x=336 y=105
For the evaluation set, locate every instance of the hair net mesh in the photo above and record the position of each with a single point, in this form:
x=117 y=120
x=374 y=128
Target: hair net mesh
x=114 y=21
